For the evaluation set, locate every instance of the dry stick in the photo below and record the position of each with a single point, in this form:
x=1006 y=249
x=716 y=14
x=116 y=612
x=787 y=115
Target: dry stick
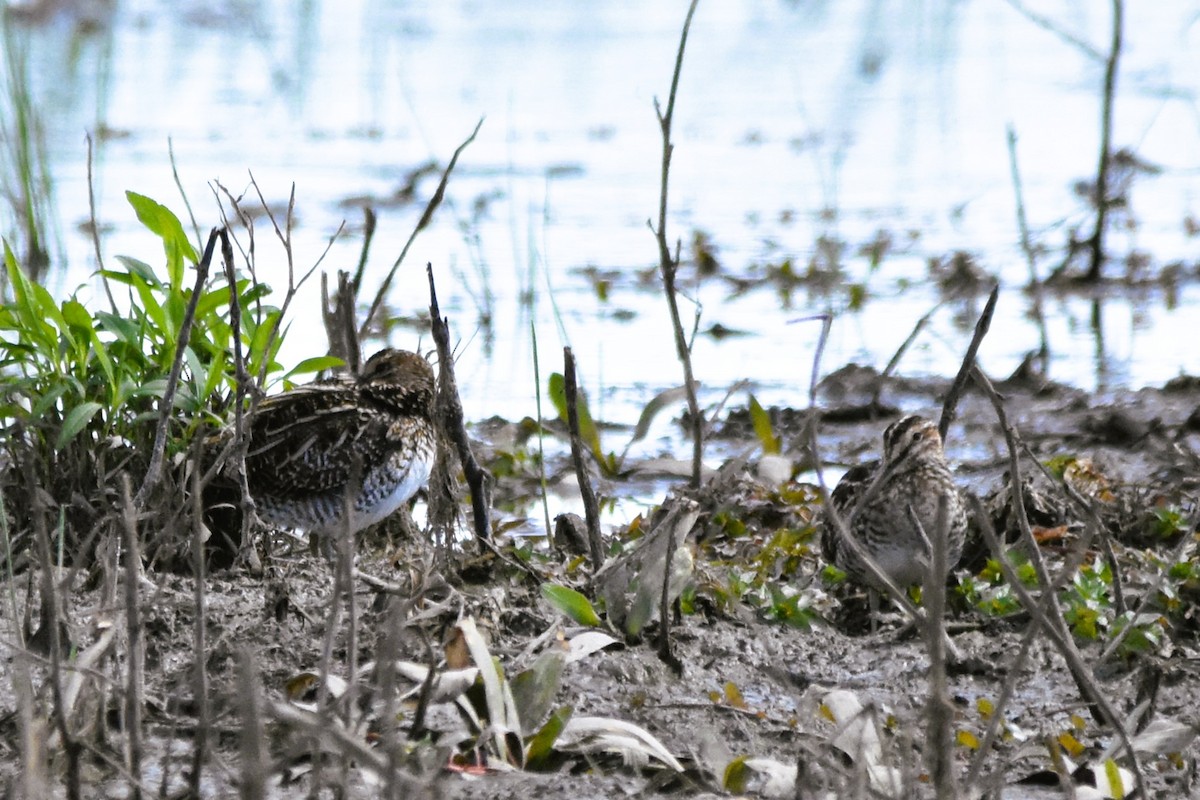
x=167 y=404
x=252 y=778
x=1051 y=622
x=895 y=360
x=668 y=265
x=135 y=685
x=426 y=217
x=950 y=404
x=449 y=409
x=664 y=607
x=244 y=383
x=590 y=509
x=1035 y=284
x=199 y=633
x=285 y=238
x=940 y=733
x=369 y=222
x=338 y=317
x=1106 y=123
x=51 y=620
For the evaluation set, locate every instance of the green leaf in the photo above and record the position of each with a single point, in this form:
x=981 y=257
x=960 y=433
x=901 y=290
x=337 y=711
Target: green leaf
x=657 y=403
x=159 y=219
x=76 y=420
x=541 y=746
x=737 y=775
x=316 y=364
x=533 y=690
x=571 y=603
x=761 y=421
x=587 y=428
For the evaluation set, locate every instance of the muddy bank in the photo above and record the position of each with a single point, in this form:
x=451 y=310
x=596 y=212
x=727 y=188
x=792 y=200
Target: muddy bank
x=763 y=640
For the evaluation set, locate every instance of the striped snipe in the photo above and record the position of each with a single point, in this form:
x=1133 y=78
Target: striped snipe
x=878 y=503
x=368 y=443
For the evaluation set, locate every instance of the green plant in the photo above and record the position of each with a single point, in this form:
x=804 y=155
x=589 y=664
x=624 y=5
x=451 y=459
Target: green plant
x=80 y=387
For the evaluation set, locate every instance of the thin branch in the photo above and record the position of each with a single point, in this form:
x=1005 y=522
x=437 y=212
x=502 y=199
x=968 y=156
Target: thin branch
x=167 y=403
x=668 y=265
x=134 y=658
x=590 y=509
x=426 y=217
x=950 y=405
x=1052 y=621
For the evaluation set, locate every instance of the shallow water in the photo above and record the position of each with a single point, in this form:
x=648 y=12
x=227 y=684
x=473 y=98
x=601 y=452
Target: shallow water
x=795 y=120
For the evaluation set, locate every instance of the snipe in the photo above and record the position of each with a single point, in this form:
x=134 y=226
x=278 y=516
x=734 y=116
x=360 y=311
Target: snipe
x=881 y=503
x=366 y=443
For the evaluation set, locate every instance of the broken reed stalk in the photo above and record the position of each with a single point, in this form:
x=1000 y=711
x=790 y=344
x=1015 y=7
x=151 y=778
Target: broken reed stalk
x=940 y=733
x=338 y=316
x=1050 y=619
x=668 y=265
x=426 y=217
x=166 y=406
x=450 y=412
x=134 y=661
x=252 y=775
x=591 y=510
x=950 y=404
x=1106 y=124
x=665 y=654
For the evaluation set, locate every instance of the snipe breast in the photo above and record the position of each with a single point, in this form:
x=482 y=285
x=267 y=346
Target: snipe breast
x=882 y=502
x=366 y=443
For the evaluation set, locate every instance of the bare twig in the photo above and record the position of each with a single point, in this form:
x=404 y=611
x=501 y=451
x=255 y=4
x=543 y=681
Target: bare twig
x=1106 y=124
x=450 y=414
x=669 y=265
x=166 y=405
x=590 y=509
x=53 y=626
x=199 y=634
x=900 y=351
x=940 y=734
x=434 y=202
x=665 y=653
x=1052 y=620
x=134 y=661
x=950 y=404
x=369 y=221
x=253 y=768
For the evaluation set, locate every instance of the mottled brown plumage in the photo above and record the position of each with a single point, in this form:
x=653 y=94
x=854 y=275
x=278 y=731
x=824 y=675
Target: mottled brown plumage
x=370 y=439
x=878 y=501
